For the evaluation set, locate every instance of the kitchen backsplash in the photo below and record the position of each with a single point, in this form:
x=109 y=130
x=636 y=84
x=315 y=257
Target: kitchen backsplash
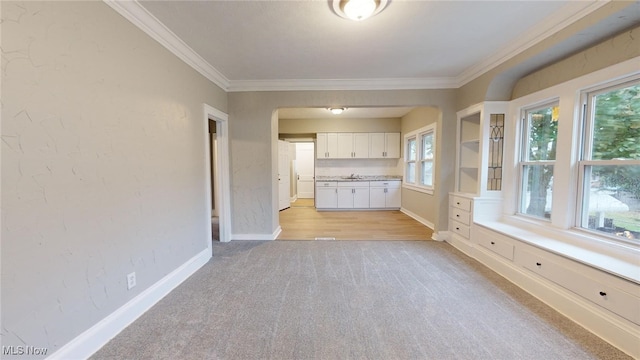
x=367 y=167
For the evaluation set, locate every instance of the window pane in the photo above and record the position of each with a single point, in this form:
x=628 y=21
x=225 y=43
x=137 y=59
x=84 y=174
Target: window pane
x=616 y=128
x=612 y=200
x=427 y=173
x=411 y=149
x=411 y=172
x=536 y=194
x=542 y=131
x=427 y=146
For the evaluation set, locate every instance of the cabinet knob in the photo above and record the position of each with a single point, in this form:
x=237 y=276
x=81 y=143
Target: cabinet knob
x=493 y=243
x=457 y=215
x=457 y=228
x=538 y=264
x=458 y=203
x=602 y=293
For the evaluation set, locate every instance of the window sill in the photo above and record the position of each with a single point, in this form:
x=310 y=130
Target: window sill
x=418 y=188
x=617 y=259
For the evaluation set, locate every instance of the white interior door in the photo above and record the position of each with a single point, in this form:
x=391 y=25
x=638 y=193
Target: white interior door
x=284 y=198
x=305 y=165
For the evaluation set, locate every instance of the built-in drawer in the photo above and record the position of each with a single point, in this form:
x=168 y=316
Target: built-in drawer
x=326 y=183
x=461 y=216
x=461 y=203
x=611 y=298
x=460 y=229
x=498 y=246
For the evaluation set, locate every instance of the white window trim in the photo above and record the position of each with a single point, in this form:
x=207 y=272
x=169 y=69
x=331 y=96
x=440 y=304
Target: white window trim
x=524 y=156
x=598 y=251
x=417 y=135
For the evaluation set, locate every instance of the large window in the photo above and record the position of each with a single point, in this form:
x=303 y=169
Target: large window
x=609 y=168
x=419 y=158
x=537 y=159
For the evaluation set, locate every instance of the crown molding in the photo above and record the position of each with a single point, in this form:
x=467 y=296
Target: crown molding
x=343 y=84
x=145 y=21
x=562 y=18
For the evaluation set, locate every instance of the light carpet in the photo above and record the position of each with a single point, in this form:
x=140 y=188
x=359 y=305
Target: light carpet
x=351 y=300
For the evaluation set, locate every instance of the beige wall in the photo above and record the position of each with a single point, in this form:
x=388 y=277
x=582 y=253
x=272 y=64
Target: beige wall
x=103 y=166
x=499 y=82
x=612 y=51
x=253 y=146
x=427 y=206
x=312 y=126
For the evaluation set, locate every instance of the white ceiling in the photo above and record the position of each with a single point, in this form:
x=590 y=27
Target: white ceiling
x=302 y=45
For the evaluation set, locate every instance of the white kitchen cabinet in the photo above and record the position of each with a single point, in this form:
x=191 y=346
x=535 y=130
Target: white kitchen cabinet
x=353 y=195
x=327 y=145
x=326 y=195
x=384 y=145
x=353 y=145
x=385 y=195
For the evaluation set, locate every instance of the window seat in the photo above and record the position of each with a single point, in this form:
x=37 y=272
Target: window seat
x=616 y=259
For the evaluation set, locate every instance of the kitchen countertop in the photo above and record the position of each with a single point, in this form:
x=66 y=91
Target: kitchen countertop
x=360 y=178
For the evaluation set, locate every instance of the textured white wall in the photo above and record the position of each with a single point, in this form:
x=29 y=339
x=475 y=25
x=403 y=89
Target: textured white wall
x=103 y=164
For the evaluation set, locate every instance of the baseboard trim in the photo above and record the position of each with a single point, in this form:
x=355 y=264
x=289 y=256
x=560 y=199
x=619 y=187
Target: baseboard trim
x=417 y=218
x=90 y=341
x=441 y=236
x=266 y=237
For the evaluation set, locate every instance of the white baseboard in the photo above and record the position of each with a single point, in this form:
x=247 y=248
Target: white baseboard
x=257 y=236
x=441 y=236
x=419 y=219
x=90 y=341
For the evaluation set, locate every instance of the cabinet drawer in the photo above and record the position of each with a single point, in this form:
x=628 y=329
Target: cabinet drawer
x=460 y=228
x=498 y=246
x=326 y=184
x=390 y=184
x=461 y=203
x=353 y=184
x=461 y=216
x=613 y=299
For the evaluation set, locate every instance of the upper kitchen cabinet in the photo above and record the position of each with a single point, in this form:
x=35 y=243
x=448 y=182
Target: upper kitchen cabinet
x=480 y=136
x=327 y=146
x=353 y=145
x=384 y=145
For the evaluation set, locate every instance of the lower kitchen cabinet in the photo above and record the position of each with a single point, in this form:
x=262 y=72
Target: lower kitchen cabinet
x=327 y=195
x=353 y=195
x=385 y=195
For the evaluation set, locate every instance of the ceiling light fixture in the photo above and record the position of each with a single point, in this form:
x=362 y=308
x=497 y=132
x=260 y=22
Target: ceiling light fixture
x=337 y=111
x=358 y=10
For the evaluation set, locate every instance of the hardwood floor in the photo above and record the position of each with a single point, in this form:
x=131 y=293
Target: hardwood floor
x=305 y=223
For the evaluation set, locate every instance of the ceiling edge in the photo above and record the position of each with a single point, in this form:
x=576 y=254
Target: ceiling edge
x=562 y=18
x=145 y=21
x=343 y=84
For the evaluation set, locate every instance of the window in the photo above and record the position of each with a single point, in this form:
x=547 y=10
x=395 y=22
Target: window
x=537 y=160
x=420 y=148
x=609 y=167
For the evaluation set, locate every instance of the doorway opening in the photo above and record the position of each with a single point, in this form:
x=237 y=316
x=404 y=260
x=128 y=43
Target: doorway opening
x=303 y=168
x=217 y=189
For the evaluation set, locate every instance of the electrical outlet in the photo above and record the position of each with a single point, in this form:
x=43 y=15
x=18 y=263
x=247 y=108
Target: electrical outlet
x=131 y=281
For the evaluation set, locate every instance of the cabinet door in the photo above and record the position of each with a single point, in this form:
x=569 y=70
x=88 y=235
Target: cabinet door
x=345 y=198
x=361 y=145
x=376 y=145
x=332 y=145
x=345 y=145
x=326 y=198
x=392 y=145
x=393 y=198
x=361 y=198
x=321 y=146
x=377 y=197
